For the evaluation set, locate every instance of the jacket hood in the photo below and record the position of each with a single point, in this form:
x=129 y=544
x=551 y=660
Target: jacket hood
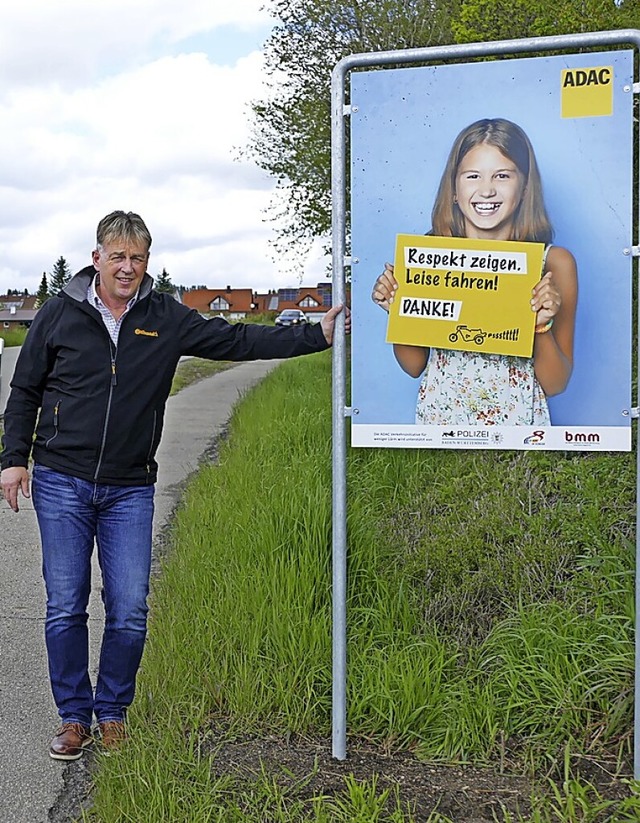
x=77 y=287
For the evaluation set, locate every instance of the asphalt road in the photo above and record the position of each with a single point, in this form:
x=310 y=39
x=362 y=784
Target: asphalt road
x=30 y=781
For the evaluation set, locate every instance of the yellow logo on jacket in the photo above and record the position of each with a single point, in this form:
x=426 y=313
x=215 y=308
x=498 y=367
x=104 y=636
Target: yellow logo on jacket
x=147 y=333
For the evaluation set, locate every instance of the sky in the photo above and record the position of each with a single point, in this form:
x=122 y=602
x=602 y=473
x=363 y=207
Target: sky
x=141 y=106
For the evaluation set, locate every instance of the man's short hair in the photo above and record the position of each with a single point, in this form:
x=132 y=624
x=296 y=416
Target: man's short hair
x=121 y=225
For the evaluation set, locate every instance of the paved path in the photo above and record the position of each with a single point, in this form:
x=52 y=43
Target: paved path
x=30 y=782
x=7 y=365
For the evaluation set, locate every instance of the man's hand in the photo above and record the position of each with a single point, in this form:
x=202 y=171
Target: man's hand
x=17 y=477
x=329 y=320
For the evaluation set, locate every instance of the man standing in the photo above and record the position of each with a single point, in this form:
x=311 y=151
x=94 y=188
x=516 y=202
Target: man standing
x=92 y=381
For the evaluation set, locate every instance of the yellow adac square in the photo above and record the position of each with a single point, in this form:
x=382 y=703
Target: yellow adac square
x=458 y=293
x=587 y=92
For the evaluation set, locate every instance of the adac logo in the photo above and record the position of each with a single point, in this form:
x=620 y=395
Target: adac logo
x=146 y=333
x=587 y=92
x=536 y=438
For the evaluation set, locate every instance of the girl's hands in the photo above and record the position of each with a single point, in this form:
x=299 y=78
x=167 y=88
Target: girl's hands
x=546 y=300
x=385 y=288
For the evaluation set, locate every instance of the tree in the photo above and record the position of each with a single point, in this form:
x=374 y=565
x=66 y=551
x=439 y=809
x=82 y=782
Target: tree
x=291 y=134
x=163 y=283
x=481 y=20
x=60 y=276
x=42 y=295
x=291 y=138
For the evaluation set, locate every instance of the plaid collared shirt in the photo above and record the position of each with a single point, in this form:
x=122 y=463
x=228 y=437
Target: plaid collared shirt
x=113 y=325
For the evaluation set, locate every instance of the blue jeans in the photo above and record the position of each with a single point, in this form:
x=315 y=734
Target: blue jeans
x=71 y=514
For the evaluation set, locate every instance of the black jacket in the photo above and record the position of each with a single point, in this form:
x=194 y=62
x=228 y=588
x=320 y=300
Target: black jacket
x=102 y=408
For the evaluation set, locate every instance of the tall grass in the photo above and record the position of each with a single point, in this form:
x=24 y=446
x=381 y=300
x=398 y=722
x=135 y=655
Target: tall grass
x=490 y=607
x=14 y=337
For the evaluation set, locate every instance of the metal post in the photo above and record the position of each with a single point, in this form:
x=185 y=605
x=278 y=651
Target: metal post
x=339 y=631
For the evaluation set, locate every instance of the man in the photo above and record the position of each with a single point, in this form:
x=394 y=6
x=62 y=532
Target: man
x=92 y=381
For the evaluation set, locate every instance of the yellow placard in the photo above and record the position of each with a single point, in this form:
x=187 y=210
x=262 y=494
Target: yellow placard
x=458 y=293
x=587 y=92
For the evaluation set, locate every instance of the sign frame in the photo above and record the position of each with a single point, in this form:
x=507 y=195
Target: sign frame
x=341 y=262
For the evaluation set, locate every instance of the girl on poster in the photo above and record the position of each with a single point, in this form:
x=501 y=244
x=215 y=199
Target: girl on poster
x=491 y=189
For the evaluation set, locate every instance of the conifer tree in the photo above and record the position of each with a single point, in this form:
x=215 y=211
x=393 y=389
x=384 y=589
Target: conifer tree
x=163 y=283
x=42 y=294
x=60 y=276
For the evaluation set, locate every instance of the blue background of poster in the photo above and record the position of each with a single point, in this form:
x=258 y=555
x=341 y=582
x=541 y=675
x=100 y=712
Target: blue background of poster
x=401 y=134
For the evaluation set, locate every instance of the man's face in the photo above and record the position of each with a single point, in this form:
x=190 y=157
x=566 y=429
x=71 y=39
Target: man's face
x=121 y=265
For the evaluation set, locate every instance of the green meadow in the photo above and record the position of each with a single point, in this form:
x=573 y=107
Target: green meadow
x=490 y=611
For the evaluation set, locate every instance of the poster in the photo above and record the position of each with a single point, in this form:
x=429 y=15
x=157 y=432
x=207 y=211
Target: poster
x=413 y=164
x=459 y=293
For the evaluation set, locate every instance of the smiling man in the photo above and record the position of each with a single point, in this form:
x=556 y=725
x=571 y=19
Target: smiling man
x=91 y=382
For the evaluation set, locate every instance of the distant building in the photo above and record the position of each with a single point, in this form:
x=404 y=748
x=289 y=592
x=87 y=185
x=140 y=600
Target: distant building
x=13 y=318
x=17 y=311
x=237 y=304
x=233 y=304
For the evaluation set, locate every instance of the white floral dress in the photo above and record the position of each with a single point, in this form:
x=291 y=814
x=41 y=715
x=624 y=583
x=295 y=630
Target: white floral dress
x=469 y=388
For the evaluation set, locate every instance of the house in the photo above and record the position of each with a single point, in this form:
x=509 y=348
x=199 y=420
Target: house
x=17 y=301
x=232 y=304
x=236 y=304
x=13 y=318
x=314 y=302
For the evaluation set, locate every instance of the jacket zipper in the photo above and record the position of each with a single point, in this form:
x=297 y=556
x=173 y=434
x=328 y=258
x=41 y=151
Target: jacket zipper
x=56 y=410
x=153 y=435
x=114 y=382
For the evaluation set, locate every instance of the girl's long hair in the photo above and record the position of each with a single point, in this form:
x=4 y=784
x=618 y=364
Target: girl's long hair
x=530 y=220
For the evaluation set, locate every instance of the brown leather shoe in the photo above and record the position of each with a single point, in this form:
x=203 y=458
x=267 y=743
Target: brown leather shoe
x=69 y=742
x=113 y=733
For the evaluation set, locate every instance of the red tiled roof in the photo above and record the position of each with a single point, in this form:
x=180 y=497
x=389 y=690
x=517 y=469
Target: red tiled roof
x=304 y=292
x=239 y=300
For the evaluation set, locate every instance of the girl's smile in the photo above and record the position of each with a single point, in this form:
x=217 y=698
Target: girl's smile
x=489 y=188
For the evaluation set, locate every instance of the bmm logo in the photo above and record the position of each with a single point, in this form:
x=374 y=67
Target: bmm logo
x=580 y=437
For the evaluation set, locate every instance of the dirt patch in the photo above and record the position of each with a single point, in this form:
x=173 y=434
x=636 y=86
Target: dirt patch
x=462 y=792
x=305 y=768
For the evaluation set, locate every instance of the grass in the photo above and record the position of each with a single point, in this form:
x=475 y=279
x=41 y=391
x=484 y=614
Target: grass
x=14 y=337
x=195 y=369
x=490 y=619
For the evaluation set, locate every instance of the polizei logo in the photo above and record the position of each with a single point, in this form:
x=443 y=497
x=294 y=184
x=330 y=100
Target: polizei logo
x=465 y=436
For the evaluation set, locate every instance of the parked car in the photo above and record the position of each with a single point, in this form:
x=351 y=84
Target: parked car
x=291 y=317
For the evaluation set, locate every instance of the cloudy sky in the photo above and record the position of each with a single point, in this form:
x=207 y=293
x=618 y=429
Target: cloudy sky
x=141 y=106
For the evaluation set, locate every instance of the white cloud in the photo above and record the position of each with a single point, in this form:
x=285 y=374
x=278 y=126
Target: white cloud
x=110 y=105
x=70 y=41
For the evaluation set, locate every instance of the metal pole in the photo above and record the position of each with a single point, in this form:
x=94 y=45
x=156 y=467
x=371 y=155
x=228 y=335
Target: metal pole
x=338 y=230
x=636 y=697
x=339 y=551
